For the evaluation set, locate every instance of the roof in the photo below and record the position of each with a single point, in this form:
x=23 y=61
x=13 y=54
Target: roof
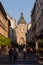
x=3 y=10
x=21 y=20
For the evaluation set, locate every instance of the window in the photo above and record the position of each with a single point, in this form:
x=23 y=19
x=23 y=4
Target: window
x=2 y=25
x=37 y=4
x=38 y=7
x=38 y=21
x=37 y=11
x=39 y=18
x=23 y=29
x=20 y=29
x=36 y=1
x=41 y=4
x=42 y=10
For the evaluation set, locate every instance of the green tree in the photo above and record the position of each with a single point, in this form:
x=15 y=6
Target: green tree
x=5 y=41
x=42 y=40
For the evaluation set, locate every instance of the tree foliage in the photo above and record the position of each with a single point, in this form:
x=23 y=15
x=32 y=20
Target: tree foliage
x=42 y=41
x=5 y=41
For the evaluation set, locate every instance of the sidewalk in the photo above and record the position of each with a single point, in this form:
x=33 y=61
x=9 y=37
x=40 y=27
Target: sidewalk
x=29 y=60
x=39 y=60
x=20 y=55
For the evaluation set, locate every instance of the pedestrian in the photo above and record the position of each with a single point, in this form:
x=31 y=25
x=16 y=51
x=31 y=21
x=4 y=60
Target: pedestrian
x=14 y=55
x=24 y=52
x=28 y=51
x=31 y=51
x=0 y=50
x=10 y=53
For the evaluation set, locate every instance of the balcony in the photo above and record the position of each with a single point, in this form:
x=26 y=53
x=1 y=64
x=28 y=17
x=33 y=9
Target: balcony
x=2 y=25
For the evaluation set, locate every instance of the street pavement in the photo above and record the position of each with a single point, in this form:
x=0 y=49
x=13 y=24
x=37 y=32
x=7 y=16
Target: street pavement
x=31 y=60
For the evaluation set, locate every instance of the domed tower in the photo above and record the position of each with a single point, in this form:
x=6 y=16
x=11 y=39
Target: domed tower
x=21 y=30
x=21 y=20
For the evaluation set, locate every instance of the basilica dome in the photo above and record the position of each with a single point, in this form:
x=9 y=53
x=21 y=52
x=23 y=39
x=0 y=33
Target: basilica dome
x=21 y=20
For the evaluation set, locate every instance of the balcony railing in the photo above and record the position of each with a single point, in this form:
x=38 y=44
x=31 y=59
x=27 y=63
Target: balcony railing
x=2 y=25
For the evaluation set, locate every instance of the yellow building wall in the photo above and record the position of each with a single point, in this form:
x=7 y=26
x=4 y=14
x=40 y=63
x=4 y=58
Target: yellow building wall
x=3 y=25
x=20 y=33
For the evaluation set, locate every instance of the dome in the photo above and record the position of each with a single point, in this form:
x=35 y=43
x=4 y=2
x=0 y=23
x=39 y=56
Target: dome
x=21 y=20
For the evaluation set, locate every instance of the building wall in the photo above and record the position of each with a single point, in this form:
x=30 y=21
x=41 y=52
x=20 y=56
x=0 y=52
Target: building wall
x=12 y=33
x=3 y=25
x=20 y=33
x=33 y=21
x=39 y=16
x=37 y=19
x=28 y=34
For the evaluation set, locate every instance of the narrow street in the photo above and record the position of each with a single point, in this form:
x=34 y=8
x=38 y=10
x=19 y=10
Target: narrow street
x=31 y=60
x=21 y=32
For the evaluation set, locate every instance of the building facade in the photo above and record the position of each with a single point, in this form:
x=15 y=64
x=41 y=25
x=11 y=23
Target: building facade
x=21 y=30
x=3 y=22
x=37 y=22
x=28 y=33
x=39 y=17
x=33 y=22
x=12 y=33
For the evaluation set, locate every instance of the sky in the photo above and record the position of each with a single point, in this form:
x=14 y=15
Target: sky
x=15 y=7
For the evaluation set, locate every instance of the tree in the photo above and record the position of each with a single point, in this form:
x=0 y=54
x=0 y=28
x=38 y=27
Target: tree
x=4 y=41
x=42 y=40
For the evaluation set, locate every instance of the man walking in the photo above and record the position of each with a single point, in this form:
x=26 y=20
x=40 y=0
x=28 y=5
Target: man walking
x=10 y=53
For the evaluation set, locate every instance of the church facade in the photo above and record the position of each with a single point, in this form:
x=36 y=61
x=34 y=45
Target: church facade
x=21 y=30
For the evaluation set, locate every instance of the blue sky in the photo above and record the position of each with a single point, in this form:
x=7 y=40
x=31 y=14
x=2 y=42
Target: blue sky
x=15 y=7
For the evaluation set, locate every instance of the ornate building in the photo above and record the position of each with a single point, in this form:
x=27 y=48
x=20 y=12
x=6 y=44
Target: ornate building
x=21 y=30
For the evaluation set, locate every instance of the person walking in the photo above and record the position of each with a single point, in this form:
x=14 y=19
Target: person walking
x=31 y=51
x=28 y=51
x=10 y=53
x=24 y=52
x=15 y=54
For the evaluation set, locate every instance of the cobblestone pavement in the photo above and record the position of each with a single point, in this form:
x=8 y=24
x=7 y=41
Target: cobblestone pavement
x=31 y=60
